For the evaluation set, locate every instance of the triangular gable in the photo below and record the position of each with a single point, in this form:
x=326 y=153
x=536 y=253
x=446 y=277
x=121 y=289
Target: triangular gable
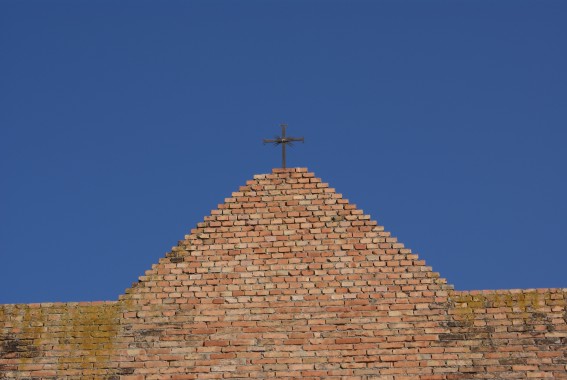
x=287 y=227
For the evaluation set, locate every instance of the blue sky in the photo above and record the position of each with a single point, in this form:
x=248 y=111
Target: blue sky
x=122 y=124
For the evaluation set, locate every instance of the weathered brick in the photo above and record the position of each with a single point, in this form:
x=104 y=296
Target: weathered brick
x=288 y=279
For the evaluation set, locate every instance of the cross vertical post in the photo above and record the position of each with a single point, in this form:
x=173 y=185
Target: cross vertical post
x=284 y=126
x=283 y=140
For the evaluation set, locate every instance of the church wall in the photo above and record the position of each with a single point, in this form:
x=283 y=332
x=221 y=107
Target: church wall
x=53 y=340
x=509 y=334
x=287 y=279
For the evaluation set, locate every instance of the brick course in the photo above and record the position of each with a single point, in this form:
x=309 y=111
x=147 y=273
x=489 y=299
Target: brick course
x=287 y=279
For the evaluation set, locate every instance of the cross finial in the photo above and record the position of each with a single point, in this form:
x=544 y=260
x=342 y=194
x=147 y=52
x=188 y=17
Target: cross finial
x=283 y=141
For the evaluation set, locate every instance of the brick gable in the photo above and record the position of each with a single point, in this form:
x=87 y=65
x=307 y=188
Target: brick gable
x=288 y=279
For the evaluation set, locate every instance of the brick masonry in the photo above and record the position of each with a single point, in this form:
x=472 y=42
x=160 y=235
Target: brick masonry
x=287 y=279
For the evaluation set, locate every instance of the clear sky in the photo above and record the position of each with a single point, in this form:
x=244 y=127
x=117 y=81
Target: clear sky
x=123 y=123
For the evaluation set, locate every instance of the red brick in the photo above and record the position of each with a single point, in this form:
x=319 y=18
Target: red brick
x=288 y=279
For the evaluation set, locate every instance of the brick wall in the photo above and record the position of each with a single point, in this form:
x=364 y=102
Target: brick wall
x=287 y=279
x=59 y=340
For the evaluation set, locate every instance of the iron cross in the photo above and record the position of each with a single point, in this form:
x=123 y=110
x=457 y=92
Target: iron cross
x=283 y=141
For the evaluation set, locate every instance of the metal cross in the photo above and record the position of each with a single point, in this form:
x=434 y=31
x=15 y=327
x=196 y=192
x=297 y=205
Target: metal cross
x=283 y=141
